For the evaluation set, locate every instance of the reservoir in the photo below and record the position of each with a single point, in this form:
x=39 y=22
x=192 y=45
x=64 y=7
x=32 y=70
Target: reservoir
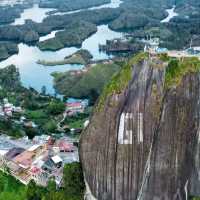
x=35 y=13
x=35 y=75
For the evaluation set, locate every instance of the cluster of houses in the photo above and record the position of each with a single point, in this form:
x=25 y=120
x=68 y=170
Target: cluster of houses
x=7 y=109
x=76 y=106
x=43 y=157
x=152 y=47
x=194 y=51
x=39 y=159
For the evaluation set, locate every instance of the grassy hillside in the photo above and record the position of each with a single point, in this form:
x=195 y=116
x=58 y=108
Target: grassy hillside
x=89 y=84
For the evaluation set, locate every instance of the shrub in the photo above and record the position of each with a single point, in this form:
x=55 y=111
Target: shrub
x=56 y=107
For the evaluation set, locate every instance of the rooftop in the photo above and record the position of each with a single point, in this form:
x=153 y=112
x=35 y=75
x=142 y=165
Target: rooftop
x=3 y=152
x=35 y=170
x=74 y=104
x=56 y=159
x=24 y=159
x=73 y=100
x=24 y=163
x=14 y=152
x=34 y=147
x=65 y=146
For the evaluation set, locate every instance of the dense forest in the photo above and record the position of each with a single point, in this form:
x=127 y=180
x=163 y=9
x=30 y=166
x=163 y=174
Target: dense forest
x=64 y=6
x=73 y=35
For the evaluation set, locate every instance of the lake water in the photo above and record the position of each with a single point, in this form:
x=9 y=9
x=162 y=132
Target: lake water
x=10 y=2
x=35 y=13
x=35 y=75
x=171 y=14
x=50 y=35
x=113 y=4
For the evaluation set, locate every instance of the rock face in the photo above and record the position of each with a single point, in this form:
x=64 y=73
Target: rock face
x=143 y=143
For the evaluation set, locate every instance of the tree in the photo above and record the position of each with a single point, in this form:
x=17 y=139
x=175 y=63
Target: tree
x=50 y=126
x=31 y=193
x=51 y=187
x=73 y=180
x=43 y=90
x=93 y=96
x=1 y=185
x=51 y=190
x=31 y=132
x=56 y=107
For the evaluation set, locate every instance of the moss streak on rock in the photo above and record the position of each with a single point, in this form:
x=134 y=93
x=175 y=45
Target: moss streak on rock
x=121 y=79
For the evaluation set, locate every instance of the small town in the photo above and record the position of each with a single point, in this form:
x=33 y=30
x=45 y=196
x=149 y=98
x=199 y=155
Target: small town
x=44 y=156
x=6 y=109
x=38 y=159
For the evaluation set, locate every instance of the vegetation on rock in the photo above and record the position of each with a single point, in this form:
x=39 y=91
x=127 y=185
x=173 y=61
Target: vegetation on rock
x=177 y=69
x=120 y=80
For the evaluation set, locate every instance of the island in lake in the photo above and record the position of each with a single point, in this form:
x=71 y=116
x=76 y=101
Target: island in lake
x=81 y=57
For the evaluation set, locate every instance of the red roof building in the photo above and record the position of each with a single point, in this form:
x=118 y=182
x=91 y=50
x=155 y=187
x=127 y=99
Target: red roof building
x=74 y=108
x=65 y=147
x=35 y=170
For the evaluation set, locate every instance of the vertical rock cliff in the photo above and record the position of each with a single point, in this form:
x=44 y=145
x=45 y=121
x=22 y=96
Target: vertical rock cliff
x=143 y=142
